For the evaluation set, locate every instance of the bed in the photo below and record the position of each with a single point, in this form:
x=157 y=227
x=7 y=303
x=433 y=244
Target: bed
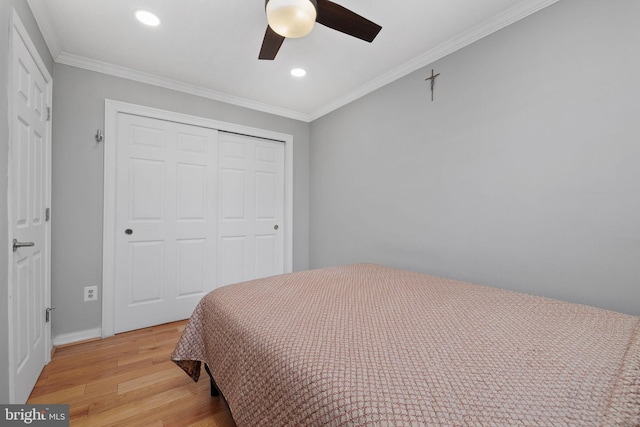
x=367 y=345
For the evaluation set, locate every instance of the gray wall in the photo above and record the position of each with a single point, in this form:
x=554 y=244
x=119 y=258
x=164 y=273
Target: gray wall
x=78 y=110
x=524 y=173
x=6 y=11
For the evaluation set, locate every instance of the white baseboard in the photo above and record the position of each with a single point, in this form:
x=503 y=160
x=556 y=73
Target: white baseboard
x=77 y=336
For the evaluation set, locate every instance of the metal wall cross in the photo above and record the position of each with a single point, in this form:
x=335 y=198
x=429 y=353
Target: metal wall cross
x=433 y=81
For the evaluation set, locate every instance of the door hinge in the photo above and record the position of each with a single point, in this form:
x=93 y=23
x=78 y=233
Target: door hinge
x=47 y=313
x=48 y=113
x=47 y=214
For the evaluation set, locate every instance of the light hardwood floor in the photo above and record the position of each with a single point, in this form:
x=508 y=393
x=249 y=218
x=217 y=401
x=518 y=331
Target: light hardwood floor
x=129 y=380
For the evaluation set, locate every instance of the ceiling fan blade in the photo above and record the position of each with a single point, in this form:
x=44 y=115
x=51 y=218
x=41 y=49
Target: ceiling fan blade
x=342 y=19
x=270 y=45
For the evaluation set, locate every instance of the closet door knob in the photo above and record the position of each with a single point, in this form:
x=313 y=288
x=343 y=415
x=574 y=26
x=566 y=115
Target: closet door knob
x=128 y=231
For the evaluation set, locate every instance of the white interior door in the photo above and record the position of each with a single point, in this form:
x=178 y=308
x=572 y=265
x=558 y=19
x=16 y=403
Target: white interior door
x=29 y=195
x=165 y=231
x=251 y=208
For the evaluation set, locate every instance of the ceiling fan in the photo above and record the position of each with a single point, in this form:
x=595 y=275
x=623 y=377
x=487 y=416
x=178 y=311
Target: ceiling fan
x=295 y=18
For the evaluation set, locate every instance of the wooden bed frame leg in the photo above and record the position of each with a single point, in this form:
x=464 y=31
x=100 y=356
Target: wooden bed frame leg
x=214 y=387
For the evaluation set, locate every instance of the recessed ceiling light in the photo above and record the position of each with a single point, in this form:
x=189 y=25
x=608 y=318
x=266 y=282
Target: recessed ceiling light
x=298 y=72
x=147 y=18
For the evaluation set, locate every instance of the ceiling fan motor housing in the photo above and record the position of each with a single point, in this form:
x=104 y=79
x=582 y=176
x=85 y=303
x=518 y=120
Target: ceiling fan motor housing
x=291 y=18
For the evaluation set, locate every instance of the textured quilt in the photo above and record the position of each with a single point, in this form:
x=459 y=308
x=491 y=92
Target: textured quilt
x=366 y=345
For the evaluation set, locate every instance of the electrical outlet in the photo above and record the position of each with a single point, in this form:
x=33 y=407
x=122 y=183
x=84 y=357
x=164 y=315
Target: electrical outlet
x=90 y=293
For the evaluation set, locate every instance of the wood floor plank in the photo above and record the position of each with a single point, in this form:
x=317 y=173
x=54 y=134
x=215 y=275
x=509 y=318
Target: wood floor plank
x=99 y=372
x=148 y=352
x=129 y=380
x=150 y=379
x=82 y=372
x=60 y=395
x=199 y=411
x=145 y=408
x=115 y=400
x=90 y=356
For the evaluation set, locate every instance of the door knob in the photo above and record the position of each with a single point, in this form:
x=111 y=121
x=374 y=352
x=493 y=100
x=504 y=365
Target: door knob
x=128 y=231
x=275 y=227
x=17 y=244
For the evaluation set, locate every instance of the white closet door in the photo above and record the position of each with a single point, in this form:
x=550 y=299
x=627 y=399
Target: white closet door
x=251 y=208
x=165 y=243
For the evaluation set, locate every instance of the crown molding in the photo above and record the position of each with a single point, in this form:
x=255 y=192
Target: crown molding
x=490 y=26
x=152 y=79
x=495 y=23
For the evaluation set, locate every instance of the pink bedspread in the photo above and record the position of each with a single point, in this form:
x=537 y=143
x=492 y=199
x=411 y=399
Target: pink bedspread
x=369 y=345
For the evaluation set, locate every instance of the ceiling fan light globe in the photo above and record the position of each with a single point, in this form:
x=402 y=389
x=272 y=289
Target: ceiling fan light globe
x=291 y=18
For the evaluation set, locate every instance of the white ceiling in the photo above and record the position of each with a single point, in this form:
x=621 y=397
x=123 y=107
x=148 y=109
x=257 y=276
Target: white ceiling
x=210 y=47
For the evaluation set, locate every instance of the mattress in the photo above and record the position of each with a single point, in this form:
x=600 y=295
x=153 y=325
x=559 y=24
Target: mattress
x=370 y=345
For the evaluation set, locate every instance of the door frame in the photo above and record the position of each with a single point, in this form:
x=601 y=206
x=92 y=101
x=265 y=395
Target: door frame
x=112 y=109
x=18 y=29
